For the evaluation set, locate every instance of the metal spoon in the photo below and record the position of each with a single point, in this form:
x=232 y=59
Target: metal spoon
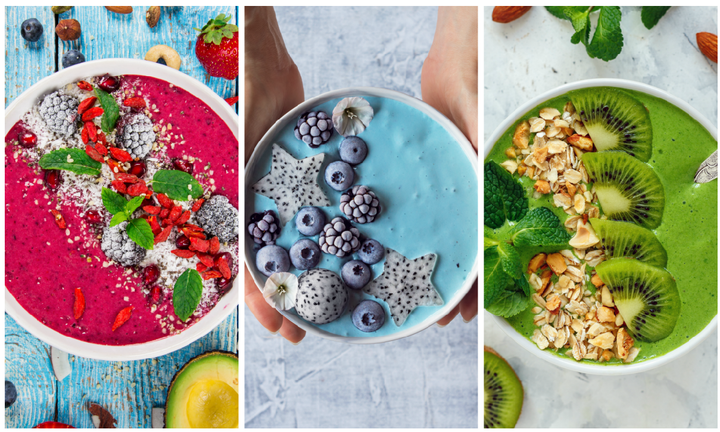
x=708 y=170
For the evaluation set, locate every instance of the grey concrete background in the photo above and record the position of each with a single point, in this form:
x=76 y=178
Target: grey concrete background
x=427 y=380
x=528 y=57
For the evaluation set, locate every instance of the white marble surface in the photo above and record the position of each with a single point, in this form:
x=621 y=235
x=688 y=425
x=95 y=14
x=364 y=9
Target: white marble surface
x=528 y=57
x=427 y=380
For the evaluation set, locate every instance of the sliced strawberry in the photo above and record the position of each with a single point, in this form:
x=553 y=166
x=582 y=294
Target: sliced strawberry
x=232 y=100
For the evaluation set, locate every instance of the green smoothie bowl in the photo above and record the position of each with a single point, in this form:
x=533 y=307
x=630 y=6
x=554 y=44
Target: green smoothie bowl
x=600 y=249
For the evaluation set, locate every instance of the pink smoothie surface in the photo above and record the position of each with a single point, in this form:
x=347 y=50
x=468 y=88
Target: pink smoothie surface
x=44 y=264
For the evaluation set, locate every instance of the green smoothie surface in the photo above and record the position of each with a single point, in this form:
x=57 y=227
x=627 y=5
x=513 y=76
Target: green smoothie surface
x=688 y=231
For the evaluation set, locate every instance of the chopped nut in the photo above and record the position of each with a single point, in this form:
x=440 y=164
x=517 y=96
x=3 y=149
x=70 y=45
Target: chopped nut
x=595 y=329
x=631 y=356
x=557 y=263
x=619 y=320
x=606 y=314
x=552 y=131
x=573 y=176
x=510 y=152
x=579 y=204
x=596 y=280
x=530 y=171
x=607 y=355
x=624 y=343
x=580 y=128
x=580 y=142
x=585 y=237
x=607 y=297
x=553 y=303
x=536 y=262
x=604 y=341
x=521 y=139
x=521 y=169
x=540 y=155
x=536 y=309
x=542 y=186
x=511 y=166
x=549 y=113
x=564 y=284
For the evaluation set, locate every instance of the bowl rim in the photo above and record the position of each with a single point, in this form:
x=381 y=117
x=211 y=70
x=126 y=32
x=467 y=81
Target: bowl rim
x=571 y=364
x=290 y=117
x=229 y=302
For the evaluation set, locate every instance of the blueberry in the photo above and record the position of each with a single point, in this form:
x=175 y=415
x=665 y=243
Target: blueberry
x=356 y=274
x=31 y=30
x=371 y=251
x=353 y=150
x=305 y=254
x=72 y=58
x=10 y=393
x=272 y=259
x=310 y=221
x=339 y=175
x=368 y=316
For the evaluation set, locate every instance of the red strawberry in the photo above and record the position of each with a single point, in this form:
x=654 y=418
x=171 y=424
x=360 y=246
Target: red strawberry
x=52 y=424
x=216 y=47
x=232 y=100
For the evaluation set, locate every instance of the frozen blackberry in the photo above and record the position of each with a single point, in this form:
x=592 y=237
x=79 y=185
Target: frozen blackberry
x=219 y=218
x=264 y=228
x=135 y=134
x=314 y=128
x=360 y=204
x=118 y=247
x=339 y=238
x=59 y=112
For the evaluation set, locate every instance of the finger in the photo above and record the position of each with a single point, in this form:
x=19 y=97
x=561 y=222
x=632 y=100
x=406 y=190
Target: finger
x=469 y=304
x=264 y=313
x=291 y=332
x=449 y=317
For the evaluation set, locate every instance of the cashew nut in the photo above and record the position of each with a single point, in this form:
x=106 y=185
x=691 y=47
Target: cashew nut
x=169 y=55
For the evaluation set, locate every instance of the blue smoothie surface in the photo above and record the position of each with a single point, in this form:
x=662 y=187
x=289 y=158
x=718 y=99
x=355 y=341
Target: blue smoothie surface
x=428 y=191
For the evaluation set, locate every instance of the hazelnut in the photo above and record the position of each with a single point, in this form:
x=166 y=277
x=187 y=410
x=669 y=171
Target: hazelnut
x=68 y=29
x=152 y=16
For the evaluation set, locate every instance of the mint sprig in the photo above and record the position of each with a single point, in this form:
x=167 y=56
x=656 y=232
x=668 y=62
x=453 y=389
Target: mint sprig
x=140 y=232
x=137 y=229
x=70 y=159
x=650 y=15
x=541 y=227
x=187 y=293
x=177 y=185
x=504 y=197
x=111 y=110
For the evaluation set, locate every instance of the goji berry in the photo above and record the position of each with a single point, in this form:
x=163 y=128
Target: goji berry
x=115 y=166
x=94 y=155
x=153 y=210
x=134 y=102
x=200 y=267
x=79 y=305
x=122 y=317
x=101 y=139
x=59 y=220
x=127 y=178
x=205 y=259
x=119 y=186
x=137 y=189
x=193 y=227
x=100 y=148
x=214 y=245
x=222 y=265
x=120 y=154
x=199 y=244
x=163 y=235
x=84 y=85
x=92 y=131
x=164 y=213
x=211 y=274
x=154 y=225
x=165 y=201
x=167 y=222
x=196 y=206
x=148 y=194
x=84 y=135
x=182 y=253
x=86 y=104
x=183 y=217
x=189 y=233
x=175 y=213
x=92 y=113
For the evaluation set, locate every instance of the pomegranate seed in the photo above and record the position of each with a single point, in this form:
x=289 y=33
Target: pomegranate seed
x=156 y=295
x=109 y=83
x=28 y=140
x=137 y=168
x=228 y=257
x=53 y=178
x=93 y=217
x=151 y=274
x=182 y=242
x=223 y=285
x=183 y=165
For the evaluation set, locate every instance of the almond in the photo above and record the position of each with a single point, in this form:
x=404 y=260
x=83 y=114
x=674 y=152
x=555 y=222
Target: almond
x=506 y=14
x=120 y=9
x=708 y=44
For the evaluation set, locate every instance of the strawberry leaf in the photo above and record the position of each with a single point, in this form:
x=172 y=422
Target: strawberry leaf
x=177 y=185
x=187 y=293
x=140 y=232
x=70 y=159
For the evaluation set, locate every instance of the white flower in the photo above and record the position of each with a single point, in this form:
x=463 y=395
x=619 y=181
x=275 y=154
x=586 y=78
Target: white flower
x=280 y=290
x=352 y=115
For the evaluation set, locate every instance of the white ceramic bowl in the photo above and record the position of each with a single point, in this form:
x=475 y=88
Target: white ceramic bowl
x=227 y=303
x=291 y=118
x=526 y=343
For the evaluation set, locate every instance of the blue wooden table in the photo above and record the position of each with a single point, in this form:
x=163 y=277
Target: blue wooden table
x=129 y=390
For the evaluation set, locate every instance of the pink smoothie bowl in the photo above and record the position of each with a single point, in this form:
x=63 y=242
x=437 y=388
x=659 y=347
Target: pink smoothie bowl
x=227 y=304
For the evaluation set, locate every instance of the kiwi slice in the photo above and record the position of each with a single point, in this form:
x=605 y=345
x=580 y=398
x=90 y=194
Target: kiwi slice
x=615 y=120
x=646 y=296
x=503 y=392
x=625 y=239
x=628 y=190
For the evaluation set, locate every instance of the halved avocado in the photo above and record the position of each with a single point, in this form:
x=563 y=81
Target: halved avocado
x=204 y=393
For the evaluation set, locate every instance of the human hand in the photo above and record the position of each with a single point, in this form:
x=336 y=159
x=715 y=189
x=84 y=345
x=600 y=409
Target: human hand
x=273 y=86
x=450 y=85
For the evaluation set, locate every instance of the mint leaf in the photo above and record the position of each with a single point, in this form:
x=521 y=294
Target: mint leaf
x=557 y=11
x=177 y=185
x=495 y=277
x=187 y=294
x=70 y=159
x=113 y=201
x=509 y=303
x=524 y=285
x=580 y=18
x=510 y=260
x=650 y=15
x=133 y=204
x=118 y=218
x=504 y=196
x=539 y=228
x=607 y=42
x=111 y=110
x=140 y=232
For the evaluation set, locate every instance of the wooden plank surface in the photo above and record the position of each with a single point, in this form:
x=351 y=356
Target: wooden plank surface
x=129 y=390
